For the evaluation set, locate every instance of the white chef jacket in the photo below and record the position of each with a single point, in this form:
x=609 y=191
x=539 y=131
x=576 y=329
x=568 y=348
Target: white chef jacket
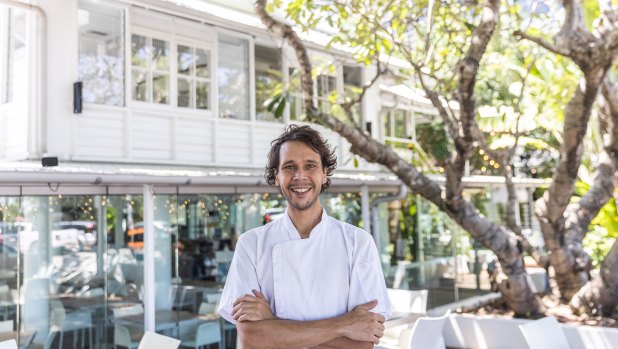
x=323 y=276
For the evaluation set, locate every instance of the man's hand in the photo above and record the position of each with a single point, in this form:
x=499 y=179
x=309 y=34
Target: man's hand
x=252 y=308
x=363 y=325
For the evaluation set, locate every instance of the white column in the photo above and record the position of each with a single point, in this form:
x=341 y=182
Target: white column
x=149 y=260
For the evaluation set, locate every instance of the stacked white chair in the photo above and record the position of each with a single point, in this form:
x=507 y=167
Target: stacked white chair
x=152 y=340
x=404 y=301
x=425 y=333
x=545 y=333
x=10 y=344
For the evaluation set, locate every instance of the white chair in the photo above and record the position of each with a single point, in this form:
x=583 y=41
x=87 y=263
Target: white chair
x=128 y=336
x=78 y=321
x=185 y=297
x=213 y=297
x=591 y=337
x=48 y=341
x=544 y=333
x=152 y=340
x=124 y=338
x=495 y=330
x=10 y=344
x=207 y=308
x=6 y=326
x=407 y=301
x=403 y=301
x=462 y=331
x=206 y=334
x=426 y=333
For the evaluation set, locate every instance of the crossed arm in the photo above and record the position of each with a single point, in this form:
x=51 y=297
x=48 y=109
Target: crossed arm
x=259 y=328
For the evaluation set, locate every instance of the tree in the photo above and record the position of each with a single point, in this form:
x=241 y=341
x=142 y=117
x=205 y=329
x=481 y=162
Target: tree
x=445 y=44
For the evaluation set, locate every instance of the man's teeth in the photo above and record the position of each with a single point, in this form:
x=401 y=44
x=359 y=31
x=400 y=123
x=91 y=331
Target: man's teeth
x=300 y=190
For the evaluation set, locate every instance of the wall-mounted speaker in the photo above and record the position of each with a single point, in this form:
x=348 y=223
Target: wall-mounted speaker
x=77 y=97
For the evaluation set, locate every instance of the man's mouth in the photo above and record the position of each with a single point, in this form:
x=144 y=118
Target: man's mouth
x=300 y=190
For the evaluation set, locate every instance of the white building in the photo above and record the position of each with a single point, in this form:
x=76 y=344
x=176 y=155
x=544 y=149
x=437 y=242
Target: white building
x=162 y=158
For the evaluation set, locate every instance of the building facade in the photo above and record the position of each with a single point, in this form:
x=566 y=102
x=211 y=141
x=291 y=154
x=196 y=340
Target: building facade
x=155 y=111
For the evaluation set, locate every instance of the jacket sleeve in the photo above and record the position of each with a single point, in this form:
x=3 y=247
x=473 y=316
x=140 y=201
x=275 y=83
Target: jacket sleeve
x=241 y=278
x=367 y=278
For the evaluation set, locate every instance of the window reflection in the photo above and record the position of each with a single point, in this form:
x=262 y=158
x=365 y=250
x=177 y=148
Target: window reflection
x=233 y=77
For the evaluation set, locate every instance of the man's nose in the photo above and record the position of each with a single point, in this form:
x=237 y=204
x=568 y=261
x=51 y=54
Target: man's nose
x=299 y=174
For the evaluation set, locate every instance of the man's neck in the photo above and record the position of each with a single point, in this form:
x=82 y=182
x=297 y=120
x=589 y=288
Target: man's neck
x=306 y=220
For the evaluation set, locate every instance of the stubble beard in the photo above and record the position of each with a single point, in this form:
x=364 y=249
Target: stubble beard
x=301 y=206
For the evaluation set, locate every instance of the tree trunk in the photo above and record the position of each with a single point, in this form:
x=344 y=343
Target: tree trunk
x=600 y=295
x=564 y=225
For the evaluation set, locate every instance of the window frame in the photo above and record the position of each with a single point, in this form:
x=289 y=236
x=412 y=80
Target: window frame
x=250 y=72
x=211 y=72
x=150 y=34
x=254 y=73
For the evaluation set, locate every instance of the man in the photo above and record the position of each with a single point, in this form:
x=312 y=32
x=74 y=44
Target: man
x=305 y=280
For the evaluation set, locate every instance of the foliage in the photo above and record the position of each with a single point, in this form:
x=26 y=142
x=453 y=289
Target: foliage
x=433 y=138
x=597 y=244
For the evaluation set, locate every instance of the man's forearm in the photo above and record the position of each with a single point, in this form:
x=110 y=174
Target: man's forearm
x=344 y=343
x=288 y=334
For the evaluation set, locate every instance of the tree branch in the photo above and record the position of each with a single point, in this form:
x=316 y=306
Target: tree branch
x=543 y=43
x=287 y=33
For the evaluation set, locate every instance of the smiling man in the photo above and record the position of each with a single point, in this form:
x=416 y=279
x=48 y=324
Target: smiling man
x=306 y=280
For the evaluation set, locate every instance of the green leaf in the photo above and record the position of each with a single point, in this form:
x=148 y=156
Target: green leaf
x=280 y=108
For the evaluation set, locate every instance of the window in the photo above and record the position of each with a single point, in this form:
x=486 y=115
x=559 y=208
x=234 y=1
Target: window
x=101 y=53
x=326 y=87
x=297 y=104
x=352 y=85
x=4 y=52
x=268 y=79
x=233 y=77
x=398 y=123
x=150 y=69
x=193 y=77
x=14 y=59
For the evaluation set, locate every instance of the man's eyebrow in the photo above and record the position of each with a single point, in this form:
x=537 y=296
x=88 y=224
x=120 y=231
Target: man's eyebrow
x=287 y=162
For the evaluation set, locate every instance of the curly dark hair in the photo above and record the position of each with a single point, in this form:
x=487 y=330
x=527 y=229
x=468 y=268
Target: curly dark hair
x=313 y=139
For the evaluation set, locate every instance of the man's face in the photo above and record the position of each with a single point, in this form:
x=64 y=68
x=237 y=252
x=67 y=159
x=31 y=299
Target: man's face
x=300 y=175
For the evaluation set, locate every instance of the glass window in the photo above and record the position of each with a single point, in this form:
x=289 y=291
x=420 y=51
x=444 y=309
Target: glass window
x=13 y=40
x=233 y=77
x=326 y=86
x=193 y=77
x=150 y=69
x=387 y=124
x=297 y=105
x=101 y=53
x=4 y=53
x=268 y=79
x=352 y=85
x=401 y=124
